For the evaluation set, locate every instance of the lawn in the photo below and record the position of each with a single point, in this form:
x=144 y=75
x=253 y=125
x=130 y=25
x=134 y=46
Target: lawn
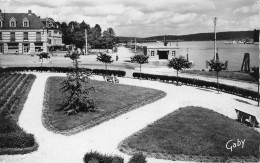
x=112 y=100
x=14 y=89
x=196 y=134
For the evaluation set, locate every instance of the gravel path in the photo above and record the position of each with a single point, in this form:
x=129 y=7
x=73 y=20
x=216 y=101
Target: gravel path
x=55 y=148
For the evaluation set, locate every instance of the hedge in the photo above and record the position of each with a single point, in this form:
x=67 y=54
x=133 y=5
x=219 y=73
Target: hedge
x=201 y=83
x=138 y=158
x=101 y=158
x=63 y=70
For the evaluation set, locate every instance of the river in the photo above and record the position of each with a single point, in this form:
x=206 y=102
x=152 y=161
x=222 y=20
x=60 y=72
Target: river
x=200 y=51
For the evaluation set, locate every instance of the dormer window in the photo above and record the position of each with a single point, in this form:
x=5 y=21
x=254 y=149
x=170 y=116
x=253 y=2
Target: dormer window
x=12 y=22
x=25 y=22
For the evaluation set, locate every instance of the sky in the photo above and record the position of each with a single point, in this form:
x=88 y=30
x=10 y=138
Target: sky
x=144 y=18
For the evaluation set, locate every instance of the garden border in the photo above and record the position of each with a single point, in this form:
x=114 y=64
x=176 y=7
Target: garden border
x=47 y=124
x=12 y=151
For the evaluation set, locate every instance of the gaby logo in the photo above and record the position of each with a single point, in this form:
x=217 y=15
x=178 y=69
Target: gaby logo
x=234 y=144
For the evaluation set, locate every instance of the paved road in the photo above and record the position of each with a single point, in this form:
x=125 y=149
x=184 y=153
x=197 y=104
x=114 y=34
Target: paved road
x=55 y=148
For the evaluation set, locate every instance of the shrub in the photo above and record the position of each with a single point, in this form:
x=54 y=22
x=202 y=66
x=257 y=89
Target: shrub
x=100 y=158
x=201 y=83
x=8 y=125
x=64 y=70
x=18 y=139
x=138 y=158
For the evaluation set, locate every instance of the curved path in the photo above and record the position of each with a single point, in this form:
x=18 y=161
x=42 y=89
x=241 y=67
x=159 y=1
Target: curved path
x=55 y=148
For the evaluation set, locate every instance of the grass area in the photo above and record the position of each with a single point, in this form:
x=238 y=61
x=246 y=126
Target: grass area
x=112 y=99
x=14 y=91
x=224 y=74
x=197 y=134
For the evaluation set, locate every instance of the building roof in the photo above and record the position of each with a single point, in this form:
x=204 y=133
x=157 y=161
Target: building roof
x=50 y=23
x=162 y=47
x=34 y=21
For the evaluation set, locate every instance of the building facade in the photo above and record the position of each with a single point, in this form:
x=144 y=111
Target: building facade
x=54 y=33
x=161 y=53
x=22 y=33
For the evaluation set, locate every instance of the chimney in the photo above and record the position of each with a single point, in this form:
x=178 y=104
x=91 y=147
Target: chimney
x=29 y=12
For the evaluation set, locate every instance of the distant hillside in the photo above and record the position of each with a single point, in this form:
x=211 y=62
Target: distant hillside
x=236 y=35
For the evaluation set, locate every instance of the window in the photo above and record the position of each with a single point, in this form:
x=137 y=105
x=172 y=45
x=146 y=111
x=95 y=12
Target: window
x=173 y=53
x=152 y=53
x=25 y=36
x=12 y=22
x=12 y=36
x=25 y=22
x=1 y=36
x=1 y=23
x=38 y=36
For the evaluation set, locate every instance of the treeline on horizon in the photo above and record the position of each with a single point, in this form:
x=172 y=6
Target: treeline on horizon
x=232 y=35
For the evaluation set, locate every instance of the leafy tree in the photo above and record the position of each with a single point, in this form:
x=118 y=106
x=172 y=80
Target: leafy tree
x=79 y=39
x=105 y=58
x=217 y=66
x=98 y=30
x=42 y=56
x=77 y=95
x=179 y=64
x=141 y=59
x=108 y=39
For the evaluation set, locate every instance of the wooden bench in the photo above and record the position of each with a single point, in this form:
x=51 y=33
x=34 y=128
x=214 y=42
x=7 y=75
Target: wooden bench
x=243 y=116
x=112 y=79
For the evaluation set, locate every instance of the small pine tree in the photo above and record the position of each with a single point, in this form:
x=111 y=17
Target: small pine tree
x=141 y=59
x=78 y=98
x=179 y=64
x=105 y=58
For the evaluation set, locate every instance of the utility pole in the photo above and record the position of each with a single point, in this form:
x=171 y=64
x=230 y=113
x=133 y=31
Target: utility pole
x=215 y=37
x=187 y=54
x=86 y=39
x=135 y=44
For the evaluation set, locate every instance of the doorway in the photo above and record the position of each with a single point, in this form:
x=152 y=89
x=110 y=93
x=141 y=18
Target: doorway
x=26 y=48
x=1 y=49
x=163 y=54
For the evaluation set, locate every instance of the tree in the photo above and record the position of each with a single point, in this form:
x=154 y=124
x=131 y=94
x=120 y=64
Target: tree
x=108 y=39
x=105 y=58
x=217 y=66
x=141 y=59
x=79 y=39
x=179 y=64
x=77 y=94
x=42 y=56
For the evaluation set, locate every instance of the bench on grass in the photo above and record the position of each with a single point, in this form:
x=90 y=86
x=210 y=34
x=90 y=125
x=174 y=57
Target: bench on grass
x=246 y=117
x=112 y=79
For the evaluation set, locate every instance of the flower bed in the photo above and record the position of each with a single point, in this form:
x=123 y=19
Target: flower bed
x=14 y=91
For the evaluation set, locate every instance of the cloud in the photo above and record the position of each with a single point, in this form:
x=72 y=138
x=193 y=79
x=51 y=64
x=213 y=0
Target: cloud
x=144 y=17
